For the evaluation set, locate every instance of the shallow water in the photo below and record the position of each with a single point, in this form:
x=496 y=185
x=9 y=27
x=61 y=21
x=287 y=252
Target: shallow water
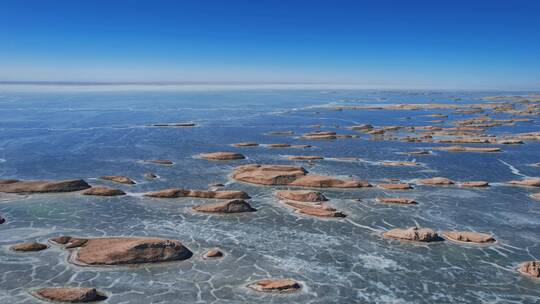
x=56 y=134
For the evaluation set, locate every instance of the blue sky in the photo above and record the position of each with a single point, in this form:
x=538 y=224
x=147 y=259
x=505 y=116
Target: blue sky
x=444 y=44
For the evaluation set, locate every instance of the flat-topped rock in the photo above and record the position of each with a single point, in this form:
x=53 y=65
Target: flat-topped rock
x=305 y=157
x=278 y=145
x=469 y=149
x=436 y=181
x=400 y=163
x=300 y=146
x=174 y=125
x=396 y=200
x=528 y=182
x=246 y=144
x=319 y=135
x=276 y=285
x=28 y=246
x=276 y=175
x=232 y=206
x=318 y=210
x=118 y=179
x=177 y=192
x=122 y=250
x=44 y=186
x=213 y=254
x=395 y=186
x=70 y=294
x=474 y=184
x=530 y=268
x=414 y=234
x=363 y=127
x=221 y=156
x=301 y=195
x=469 y=237
x=535 y=196
x=165 y=162
x=103 y=191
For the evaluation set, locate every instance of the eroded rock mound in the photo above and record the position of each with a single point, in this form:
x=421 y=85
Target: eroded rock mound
x=276 y=175
x=530 y=268
x=212 y=254
x=15 y=186
x=177 y=192
x=396 y=200
x=103 y=191
x=122 y=250
x=436 y=181
x=232 y=206
x=475 y=184
x=70 y=294
x=395 y=186
x=528 y=182
x=301 y=195
x=276 y=285
x=221 y=156
x=29 y=246
x=414 y=234
x=469 y=237
x=118 y=179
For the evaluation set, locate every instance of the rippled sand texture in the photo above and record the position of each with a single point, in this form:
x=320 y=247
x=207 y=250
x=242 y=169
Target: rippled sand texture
x=87 y=134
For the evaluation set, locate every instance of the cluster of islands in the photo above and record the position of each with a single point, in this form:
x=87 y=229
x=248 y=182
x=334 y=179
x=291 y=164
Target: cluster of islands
x=297 y=190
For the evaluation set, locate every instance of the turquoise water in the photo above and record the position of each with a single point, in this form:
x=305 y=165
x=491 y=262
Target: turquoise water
x=74 y=132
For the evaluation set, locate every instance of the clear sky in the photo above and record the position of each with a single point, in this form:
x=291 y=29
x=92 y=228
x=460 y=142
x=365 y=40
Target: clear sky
x=433 y=43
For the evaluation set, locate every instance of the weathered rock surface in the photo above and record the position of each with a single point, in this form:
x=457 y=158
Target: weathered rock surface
x=103 y=191
x=289 y=175
x=246 y=144
x=414 y=234
x=276 y=285
x=469 y=237
x=469 y=149
x=118 y=179
x=29 y=246
x=436 y=181
x=122 y=250
x=221 y=156
x=165 y=162
x=43 y=186
x=319 y=210
x=396 y=200
x=474 y=184
x=530 y=268
x=232 y=206
x=212 y=254
x=395 y=186
x=70 y=294
x=177 y=192
x=303 y=157
x=301 y=195
x=528 y=182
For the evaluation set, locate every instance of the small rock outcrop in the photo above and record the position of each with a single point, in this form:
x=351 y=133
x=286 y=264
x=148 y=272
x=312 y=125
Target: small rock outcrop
x=213 y=254
x=469 y=149
x=302 y=157
x=276 y=285
x=28 y=246
x=396 y=200
x=177 y=192
x=246 y=144
x=278 y=145
x=103 y=191
x=122 y=250
x=399 y=163
x=150 y=175
x=221 y=156
x=275 y=175
x=414 y=234
x=474 y=184
x=232 y=206
x=15 y=186
x=318 y=210
x=118 y=179
x=301 y=196
x=530 y=268
x=528 y=182
x=535 y=196
x=70 y=294
x=165 y=162
x=469 y=237
x=436 y=181
x=395 y=186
